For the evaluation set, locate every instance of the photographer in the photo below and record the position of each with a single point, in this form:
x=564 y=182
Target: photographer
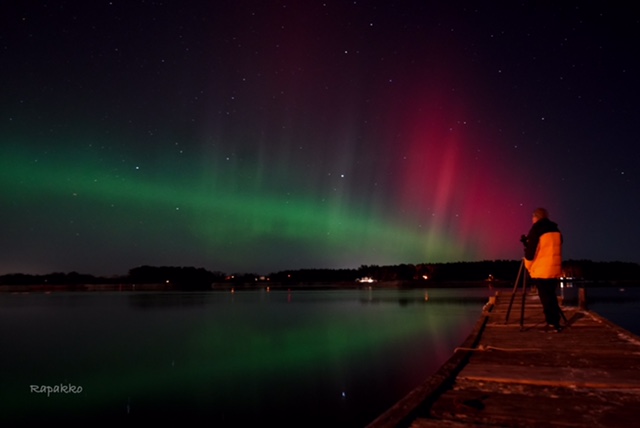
x=543 y=260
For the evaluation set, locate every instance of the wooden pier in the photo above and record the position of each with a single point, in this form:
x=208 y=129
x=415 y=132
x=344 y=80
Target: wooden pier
x=513 y=375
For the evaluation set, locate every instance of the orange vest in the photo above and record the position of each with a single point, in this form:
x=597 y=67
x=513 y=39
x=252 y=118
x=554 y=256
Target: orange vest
x=547 y=263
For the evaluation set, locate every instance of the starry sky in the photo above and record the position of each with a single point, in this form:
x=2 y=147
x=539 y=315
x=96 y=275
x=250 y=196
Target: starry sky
x=256 y=136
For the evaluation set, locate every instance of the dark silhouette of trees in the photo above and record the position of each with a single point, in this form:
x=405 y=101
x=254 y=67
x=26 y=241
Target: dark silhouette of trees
x=499 y=271
x=602 y=271
x=304 y=276
x=181 y=277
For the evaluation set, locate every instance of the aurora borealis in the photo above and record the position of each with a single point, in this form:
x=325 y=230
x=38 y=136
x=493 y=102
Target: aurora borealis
x=253 y=136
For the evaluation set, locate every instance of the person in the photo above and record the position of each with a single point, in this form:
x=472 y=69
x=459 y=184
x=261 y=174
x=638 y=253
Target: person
x=543 y=261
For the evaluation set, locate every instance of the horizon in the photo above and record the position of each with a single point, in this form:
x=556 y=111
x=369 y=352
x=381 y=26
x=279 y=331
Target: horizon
x=259 y=274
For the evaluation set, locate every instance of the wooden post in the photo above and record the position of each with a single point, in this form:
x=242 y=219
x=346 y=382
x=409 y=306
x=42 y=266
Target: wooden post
x=582 y=298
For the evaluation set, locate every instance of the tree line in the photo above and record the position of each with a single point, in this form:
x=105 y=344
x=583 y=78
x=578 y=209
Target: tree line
x=199 y=278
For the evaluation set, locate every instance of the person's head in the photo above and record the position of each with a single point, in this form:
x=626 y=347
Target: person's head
x=539 y=214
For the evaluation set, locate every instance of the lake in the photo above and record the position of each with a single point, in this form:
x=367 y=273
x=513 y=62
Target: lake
x=313 y=358
x=619 y=304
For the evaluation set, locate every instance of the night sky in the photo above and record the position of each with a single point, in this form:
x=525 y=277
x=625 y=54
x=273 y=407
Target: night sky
x=255 y=136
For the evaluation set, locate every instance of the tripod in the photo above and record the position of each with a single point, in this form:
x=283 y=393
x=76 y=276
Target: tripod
x=523 y=273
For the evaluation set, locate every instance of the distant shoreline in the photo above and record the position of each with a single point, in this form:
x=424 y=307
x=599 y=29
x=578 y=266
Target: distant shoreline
x=279 y=286
x=269 y=286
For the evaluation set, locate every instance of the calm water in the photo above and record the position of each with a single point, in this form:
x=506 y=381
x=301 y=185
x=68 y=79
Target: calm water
x=620 y=305
x=313 y=358
x=337 y=358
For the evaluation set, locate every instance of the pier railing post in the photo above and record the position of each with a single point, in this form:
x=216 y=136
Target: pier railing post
x=582 y=298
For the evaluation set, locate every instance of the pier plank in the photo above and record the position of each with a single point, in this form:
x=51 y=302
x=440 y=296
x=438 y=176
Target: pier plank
x=535 y=406
x=513 y=373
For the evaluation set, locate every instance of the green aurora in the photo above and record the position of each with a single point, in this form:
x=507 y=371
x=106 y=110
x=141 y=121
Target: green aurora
x=224 y=213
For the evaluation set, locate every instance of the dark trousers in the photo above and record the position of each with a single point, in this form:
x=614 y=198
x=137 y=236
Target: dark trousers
x=549 y=300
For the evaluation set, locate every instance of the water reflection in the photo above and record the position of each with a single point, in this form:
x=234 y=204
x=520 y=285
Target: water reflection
x=618 y=304
x=329 y=357
x=166 y=300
